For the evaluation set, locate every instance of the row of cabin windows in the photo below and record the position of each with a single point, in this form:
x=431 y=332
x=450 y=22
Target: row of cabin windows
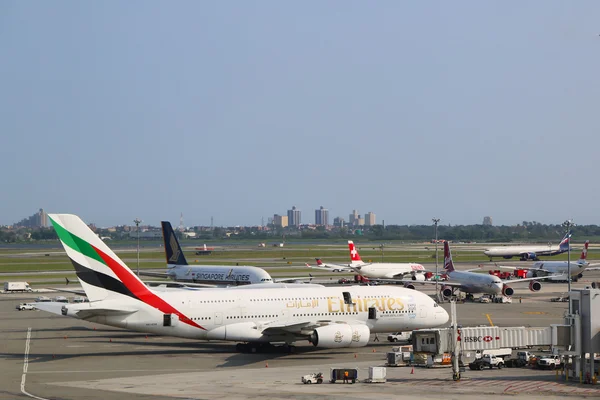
x=286 y=299
x=252 y=316
x=324 y=314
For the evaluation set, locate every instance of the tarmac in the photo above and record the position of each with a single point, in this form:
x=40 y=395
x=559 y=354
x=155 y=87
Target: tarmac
x=52 y=357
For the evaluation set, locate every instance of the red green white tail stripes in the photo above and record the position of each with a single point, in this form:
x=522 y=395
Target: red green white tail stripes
x=101 y=273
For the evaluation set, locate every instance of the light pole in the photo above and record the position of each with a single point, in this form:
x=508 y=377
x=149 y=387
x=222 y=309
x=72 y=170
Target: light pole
x=437 y=293
x=381 y=246
x=137 y=222
x=568 y=224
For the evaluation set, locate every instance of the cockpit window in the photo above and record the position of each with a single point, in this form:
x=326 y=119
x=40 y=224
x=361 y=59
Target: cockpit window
x=436 y=305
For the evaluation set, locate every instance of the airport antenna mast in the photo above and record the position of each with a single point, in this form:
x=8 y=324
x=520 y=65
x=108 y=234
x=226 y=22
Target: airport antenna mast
x=181 y=223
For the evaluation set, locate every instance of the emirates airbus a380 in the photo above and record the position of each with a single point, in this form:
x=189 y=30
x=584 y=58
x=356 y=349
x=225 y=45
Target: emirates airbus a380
x=329 y=317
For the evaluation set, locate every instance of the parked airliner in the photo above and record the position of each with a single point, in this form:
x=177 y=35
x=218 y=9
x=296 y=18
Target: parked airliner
x=397 y=272
x=529 y=252
x=473 y=282
x=329 y=317
x=179 y=270
x=557 y=270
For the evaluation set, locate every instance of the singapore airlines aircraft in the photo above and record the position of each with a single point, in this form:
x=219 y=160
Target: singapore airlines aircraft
x=557 y=270
x=330 y=317
x=397 y=272
x=527 y=252
x=473 y=282
x=179 y=270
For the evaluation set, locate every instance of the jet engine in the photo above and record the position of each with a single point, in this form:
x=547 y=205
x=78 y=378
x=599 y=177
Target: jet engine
x=418 y=277
x=446 y=291
x=528 y=256
x=409 y=285
x=340 y=335
x=535 y=286
x=507 y=291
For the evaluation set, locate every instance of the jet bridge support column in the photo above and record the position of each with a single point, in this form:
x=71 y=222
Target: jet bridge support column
x=456 y=348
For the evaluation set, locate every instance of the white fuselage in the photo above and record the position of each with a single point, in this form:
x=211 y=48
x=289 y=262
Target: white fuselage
x=556 y=268
x=241 y=313
x=472 y=282
x=387 y=270
x=516 y=251
x=219 y=274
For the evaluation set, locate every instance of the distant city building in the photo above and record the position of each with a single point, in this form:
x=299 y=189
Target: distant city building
x=370 y=219
x=322 y=216
x=487 y=221
x=338 y=222
x=361 y=221
x=294 y=217
x=280 y=220
x=353 y=218
x=37 y=220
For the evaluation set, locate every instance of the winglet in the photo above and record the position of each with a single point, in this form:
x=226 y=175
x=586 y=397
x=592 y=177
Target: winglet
x=584 y=251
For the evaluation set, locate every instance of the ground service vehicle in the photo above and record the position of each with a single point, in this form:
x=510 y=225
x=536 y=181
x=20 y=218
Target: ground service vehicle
x=549 y=362
x=399 y=337
x=487 y=361
x=25 y=306
x=337 y=374
x=17 y=287
x=313 y=378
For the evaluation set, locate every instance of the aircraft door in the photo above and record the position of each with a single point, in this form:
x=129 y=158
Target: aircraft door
x=218 y=318
x=423 y=313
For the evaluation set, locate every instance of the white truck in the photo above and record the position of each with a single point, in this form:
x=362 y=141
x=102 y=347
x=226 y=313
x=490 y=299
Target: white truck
x=549 y=362
x=400 y=337
x=502 y=353
x=17 y=287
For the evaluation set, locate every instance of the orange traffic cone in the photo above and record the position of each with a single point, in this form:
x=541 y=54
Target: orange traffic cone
x=354 y=355
x=373 y=350
x=110 y=340
x=65 y=337
x=267 y=364
x=412 y=371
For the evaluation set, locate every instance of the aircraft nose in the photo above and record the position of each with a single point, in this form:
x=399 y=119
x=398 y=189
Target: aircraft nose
x=441 y=316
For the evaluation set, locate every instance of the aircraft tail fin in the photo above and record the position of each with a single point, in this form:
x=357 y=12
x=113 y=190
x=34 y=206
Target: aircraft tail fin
x=354 y=256
x=565 y=242
x=583 y=257
x=319 y=262
x=448 y=263
x=173 y=250
x=101 y=272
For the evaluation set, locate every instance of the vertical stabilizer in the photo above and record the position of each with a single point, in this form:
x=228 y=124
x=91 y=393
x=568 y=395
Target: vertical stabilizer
x=448 y=264
x=583 y=258
x=354 y=256
x=173 y=250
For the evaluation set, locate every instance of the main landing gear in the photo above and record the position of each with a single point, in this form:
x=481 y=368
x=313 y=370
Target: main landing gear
x=264 y=348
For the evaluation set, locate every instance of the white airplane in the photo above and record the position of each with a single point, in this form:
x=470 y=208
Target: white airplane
x=473 y=282
x=328 y=317
x=527 y=252
x=329 y=267
x=397 y=272
x=179 y=270
x=557 y=270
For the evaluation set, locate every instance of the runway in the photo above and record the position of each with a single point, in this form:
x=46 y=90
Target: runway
x=73 y=359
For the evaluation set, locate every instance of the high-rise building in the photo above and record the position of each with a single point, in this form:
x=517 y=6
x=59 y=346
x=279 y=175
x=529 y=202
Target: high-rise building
x=361 y=221
x=353 y=218
x=369 y=219
x=487 y=221
x=280 y=220
x=338 y=222
x=294 y=216
x=37 y=220
x=322 y=216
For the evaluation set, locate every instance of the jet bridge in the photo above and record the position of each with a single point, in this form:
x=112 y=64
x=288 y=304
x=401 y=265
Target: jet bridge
x=440 y=341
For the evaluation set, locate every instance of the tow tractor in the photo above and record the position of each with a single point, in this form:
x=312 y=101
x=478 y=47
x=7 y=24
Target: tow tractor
x=313 y=378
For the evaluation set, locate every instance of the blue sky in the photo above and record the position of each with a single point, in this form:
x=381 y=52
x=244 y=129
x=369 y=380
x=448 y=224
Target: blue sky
x=239 y=110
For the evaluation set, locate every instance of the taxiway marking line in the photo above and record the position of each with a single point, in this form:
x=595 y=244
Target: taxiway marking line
x=26 y=366
x=489 y=319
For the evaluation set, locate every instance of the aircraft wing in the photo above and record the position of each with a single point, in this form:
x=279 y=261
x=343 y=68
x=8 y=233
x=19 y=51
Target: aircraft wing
x=293 y=279
x=300 y=328
x=513 y=281
x=156 y=274
x=74 y=291
x=441 y=283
